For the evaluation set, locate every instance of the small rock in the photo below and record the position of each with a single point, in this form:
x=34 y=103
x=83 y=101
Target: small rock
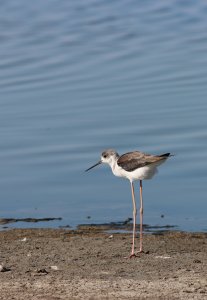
x=111 y=236
x=24 y=239
x=4 y=269
x=55 y=268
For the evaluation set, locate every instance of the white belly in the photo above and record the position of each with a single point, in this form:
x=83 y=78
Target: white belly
x=146 y=172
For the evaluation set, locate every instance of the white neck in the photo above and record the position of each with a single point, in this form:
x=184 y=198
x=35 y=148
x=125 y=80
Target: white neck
x=112 y=163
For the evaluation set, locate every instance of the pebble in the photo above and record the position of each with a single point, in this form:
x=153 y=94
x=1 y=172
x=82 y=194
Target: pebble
x=4 y=269
x=55 y=268
x=24 y=239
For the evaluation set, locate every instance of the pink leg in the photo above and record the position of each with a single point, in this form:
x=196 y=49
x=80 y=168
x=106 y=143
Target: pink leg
x=141 y=217
x=134 y=220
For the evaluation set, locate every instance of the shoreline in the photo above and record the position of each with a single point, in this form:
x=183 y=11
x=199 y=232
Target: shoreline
x=55 y=264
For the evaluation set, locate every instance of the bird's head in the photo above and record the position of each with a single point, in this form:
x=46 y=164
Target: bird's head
x=107 y=157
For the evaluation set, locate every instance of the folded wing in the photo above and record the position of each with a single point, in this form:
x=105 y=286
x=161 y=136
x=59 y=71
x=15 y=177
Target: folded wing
x=133 y=160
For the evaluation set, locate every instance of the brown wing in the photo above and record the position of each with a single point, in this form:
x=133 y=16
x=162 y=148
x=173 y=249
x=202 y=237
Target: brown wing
x=134 y=160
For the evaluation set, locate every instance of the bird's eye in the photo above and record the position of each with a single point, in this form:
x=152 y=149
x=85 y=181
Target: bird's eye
x=105 y=156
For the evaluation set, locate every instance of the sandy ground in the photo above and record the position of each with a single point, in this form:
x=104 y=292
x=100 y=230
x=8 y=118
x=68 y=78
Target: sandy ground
x=53 y=264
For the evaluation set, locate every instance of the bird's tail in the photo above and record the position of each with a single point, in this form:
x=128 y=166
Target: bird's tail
x=164 y=155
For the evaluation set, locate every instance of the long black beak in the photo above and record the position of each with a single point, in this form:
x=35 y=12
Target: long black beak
x=98 y=163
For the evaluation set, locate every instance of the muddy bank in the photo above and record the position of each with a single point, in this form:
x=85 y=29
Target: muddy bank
x=89 y=264
x=4 y=221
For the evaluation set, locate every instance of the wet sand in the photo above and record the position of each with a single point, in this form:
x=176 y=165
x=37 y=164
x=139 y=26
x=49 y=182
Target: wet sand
x=53 y=264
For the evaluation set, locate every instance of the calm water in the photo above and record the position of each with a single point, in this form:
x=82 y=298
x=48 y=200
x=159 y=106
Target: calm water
x=77 y=77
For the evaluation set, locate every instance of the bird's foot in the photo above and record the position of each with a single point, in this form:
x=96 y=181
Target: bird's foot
x=131 y=255
x=142 y=251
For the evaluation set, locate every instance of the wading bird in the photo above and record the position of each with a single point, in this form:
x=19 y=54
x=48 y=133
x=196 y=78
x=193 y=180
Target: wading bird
x=133 y=166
